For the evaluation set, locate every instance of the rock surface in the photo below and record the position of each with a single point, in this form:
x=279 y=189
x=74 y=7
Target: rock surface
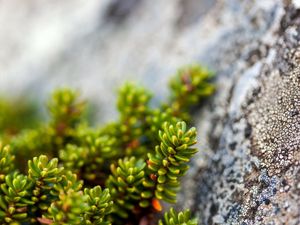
x=248 y=170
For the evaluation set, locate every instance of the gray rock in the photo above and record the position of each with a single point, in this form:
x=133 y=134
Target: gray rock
x=249 y=173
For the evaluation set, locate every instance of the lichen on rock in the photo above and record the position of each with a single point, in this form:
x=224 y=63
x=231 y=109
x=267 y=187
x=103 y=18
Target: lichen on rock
x=251 y=173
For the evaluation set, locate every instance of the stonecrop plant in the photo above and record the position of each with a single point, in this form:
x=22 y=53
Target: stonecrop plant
x=66 y=172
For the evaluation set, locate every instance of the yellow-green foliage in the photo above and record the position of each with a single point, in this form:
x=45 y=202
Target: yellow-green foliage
x=174 y=218
x=63 y=172
x=13 y=114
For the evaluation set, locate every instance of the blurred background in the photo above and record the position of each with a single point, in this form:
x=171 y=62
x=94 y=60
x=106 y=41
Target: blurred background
x=96 y=45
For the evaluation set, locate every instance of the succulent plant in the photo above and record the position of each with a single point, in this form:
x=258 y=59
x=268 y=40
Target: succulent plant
x=63 y=171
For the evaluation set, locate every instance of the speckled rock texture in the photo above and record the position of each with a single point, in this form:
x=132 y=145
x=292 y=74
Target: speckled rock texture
x=247 y=171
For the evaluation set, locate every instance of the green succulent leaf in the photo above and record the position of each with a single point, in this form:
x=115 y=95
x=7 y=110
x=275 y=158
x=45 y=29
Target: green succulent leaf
x=169 y=162
x=100 y=205
x=126 y=185
x=181 y=218
x=6 y=162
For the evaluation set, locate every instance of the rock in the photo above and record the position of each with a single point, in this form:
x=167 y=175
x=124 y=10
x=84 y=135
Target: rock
x=249 y=172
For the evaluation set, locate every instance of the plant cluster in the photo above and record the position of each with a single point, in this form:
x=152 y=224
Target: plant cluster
x=12 y=116
x=120 y=173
